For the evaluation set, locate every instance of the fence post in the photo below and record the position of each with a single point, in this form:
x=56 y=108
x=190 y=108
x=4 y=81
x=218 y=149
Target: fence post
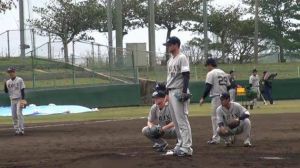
x=49 y=47
x=135 y=73
x=33 y=73
x=73 y=61
x=33 y=42
x=196 y=75
x=298 y=71
x=8 y=44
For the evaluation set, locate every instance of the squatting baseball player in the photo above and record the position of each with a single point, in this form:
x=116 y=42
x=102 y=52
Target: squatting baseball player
x=15 y=87
x=216 y=83
x=233 y=119
x=178 y=95
x=159 y=124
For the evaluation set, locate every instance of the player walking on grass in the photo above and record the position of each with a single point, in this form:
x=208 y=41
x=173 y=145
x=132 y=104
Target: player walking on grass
x=178 y=93
x=216 y=83
x=15 y=87
x=159 y=123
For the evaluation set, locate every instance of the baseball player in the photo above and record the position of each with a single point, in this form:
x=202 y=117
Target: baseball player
x=15 y=87
x=232 y=87
x=177 y=86
x=254 y=85
x=159 y=123
x=233 y=119
x=216 y=83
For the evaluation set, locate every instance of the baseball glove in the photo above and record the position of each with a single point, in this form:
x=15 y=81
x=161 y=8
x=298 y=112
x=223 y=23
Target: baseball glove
x=156 y=131
x=233 y=123
x=182 y=97
x=23 y=103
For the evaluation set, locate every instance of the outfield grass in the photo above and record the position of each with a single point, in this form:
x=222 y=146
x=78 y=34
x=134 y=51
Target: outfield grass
x=242 y=71
x=120 y=113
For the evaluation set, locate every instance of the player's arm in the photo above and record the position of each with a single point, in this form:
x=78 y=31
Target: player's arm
x=5 y=88
x=22 y=89
x=244 y=113
x=207 y=89
x=185 y=71
x=150 y=124
x=220 y=121
x=168 y=126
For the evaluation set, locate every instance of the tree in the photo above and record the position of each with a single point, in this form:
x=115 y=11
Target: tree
x=66 y=19
x=282 y=20
x=6 y=5
x=169 y=14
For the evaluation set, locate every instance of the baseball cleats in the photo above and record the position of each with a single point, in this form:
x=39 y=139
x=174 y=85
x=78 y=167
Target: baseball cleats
x=17 y=132
x=179 y=153
x=247 y=143
x=162 y=148
x=156 y=145
x=213 y=142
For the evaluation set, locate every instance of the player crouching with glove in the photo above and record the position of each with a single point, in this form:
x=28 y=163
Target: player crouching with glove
x=233 y=119
x=159 y=123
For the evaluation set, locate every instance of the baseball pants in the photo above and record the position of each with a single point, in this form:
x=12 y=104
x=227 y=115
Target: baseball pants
x=17 y=115
x=179 y=113
x=244 y=128
x=169 y=134
x=215 y=103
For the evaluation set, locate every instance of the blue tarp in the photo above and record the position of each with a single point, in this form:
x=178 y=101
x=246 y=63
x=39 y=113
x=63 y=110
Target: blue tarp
x=47 y=109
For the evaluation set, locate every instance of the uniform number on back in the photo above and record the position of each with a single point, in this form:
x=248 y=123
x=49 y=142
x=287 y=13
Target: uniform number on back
x=222 y=80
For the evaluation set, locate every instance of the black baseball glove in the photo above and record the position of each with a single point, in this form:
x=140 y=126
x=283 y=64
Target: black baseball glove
x=156 y=131
x=182 y=97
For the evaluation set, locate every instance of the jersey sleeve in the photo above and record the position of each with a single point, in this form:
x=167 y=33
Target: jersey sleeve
x=243 y=110
x=152 y=114
x=184 y=63
x=209 y=78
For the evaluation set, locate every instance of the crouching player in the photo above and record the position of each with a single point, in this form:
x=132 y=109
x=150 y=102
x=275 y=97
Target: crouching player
x=159 y=126
x=233 y=119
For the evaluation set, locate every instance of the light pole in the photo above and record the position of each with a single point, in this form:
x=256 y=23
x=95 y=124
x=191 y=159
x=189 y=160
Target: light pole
x=256 y=33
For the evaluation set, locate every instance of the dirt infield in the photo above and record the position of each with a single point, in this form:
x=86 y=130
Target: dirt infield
x=276 y=140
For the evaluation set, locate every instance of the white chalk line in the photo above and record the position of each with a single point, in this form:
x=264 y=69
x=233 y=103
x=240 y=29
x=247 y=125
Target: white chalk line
x=73 y=123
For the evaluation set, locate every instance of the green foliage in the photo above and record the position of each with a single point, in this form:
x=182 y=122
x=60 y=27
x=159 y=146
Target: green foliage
x=66 y=19
x=6 y=5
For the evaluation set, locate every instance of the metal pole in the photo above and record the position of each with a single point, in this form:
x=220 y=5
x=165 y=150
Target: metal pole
x=256 y=33
x=93 y=53
x=73 y=61
x=33 y=74
x=151 y=32
x=22 y=35
x=205 y=29
x=8 y=45
x=119 y=32
x=49 y=47
x=33 y=42
x=109 y=29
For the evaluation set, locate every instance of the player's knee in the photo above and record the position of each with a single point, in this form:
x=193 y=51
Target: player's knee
x=247 y=122
x=145 y=131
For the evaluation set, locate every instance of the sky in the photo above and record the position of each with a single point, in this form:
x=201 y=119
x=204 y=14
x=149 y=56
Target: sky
x=10 y=21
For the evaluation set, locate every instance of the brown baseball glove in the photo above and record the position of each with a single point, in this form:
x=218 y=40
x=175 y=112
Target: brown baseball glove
x=233 y=123
x=23 y=103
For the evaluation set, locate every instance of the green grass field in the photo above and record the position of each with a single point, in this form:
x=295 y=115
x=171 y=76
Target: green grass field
x=291 y=106
x=242 y=71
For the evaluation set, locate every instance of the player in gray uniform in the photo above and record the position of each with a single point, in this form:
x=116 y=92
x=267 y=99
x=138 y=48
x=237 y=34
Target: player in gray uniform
x=216 y=83
x=177 y=83
x=233 y=85
x=233 y=119
x=254 y=85
x=159 y=116
x=15 y=87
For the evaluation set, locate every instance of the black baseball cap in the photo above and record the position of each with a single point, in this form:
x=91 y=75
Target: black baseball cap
x=224 y=96
x=231 y=71
x=158 y=94
x=254 y=70
x=11 y=69
x=173 y=40
x=211 y=61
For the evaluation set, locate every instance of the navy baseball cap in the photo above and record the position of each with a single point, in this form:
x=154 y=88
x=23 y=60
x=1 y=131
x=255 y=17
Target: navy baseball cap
x=254 y=70
x=173 y=40
x=211 y=61
x=11 y=69
x=158 y=94
x=231 y=71
x=224 y=96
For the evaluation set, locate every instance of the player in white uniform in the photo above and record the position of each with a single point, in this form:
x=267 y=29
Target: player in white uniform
x=254 y=84
x=177 y=83
x=233 y=85
x=216 y=83
x=15 y=87
x=231 y=112
x=159 y=116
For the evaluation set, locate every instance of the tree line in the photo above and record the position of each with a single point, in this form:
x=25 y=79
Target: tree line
x=231 y=29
